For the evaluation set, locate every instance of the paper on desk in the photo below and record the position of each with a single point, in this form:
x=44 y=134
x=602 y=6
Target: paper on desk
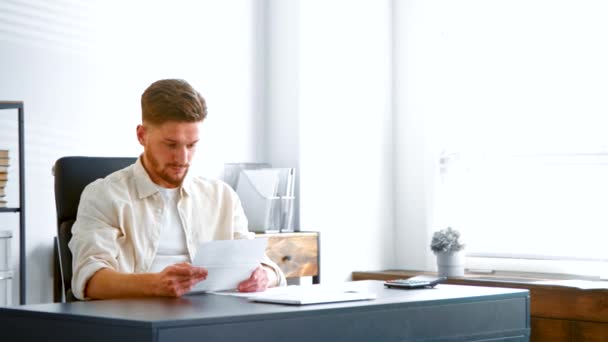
x=228 y=262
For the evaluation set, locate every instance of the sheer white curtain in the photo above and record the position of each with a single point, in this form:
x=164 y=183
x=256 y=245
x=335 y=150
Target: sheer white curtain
x=517 y=103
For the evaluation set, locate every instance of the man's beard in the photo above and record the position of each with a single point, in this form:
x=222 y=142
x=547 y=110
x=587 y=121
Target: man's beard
x=164 y=172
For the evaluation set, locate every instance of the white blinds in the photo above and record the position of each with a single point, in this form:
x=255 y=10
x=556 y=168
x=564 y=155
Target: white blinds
x=59 y=24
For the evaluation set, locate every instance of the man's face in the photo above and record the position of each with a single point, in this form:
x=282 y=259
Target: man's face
x=168 y=150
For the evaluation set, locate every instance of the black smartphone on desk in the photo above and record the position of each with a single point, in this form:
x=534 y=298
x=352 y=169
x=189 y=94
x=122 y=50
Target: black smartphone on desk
x=417 y=282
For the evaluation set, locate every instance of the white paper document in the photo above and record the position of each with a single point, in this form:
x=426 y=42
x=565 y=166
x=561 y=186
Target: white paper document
x=312 y=297
x=228 y=262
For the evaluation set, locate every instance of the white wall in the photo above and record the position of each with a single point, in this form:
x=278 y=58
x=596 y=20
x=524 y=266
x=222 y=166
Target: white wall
x=282 y=89
x=295 y=83
x=414 y=100
x=327 y=103
x=81 y=67
x=345 y=133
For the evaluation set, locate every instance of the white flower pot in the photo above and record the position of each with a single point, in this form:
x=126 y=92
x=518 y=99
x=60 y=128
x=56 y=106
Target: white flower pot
x=450 y=264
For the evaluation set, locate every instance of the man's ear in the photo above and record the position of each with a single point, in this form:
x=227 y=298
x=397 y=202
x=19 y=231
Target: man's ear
x=141 y=134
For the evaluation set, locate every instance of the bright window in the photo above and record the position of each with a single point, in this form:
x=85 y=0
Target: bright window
x=523 y=126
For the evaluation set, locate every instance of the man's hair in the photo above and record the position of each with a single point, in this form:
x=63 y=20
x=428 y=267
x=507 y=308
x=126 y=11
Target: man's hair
x=172 y=100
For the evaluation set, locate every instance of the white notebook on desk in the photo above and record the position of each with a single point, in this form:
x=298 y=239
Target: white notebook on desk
x=310 y=295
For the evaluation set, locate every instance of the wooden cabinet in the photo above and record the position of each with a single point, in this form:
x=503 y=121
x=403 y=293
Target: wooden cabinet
x=297 y=254
x=557 y=313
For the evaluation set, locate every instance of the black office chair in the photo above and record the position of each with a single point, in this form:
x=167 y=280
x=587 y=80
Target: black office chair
x=72 y=175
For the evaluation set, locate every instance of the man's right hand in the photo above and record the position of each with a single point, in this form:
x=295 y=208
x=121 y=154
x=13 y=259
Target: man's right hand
x=174 y=281
x=177 y=280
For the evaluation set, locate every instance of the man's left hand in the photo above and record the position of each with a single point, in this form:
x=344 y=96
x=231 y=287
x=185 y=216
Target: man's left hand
x=262 y=278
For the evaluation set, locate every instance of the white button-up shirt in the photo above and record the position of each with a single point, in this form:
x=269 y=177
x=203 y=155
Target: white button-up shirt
x=119 y=221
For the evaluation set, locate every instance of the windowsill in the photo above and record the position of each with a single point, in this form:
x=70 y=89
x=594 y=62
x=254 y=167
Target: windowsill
x=526 y=277
x=544 y=269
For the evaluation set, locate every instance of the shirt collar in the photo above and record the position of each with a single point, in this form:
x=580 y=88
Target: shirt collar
x=146 y=187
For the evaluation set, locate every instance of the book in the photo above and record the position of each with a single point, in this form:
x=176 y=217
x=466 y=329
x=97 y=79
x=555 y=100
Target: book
x=2 y=183
x=4 y=162
x=2 y=191
x=3 y=175
x=4 y=154
x=3 y=203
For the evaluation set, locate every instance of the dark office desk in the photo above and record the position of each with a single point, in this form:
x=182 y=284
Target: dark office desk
x=448 y=312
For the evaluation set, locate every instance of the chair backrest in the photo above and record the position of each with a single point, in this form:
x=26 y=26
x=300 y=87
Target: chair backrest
x=72 y=175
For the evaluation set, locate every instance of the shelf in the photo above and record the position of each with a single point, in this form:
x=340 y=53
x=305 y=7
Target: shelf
x=11 y=104
x=18 y=105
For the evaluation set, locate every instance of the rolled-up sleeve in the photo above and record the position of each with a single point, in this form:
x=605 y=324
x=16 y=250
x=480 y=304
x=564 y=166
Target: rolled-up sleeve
x=94 y=239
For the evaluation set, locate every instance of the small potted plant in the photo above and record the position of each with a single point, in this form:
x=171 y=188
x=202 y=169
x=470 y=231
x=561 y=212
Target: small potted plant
x=447 y=247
